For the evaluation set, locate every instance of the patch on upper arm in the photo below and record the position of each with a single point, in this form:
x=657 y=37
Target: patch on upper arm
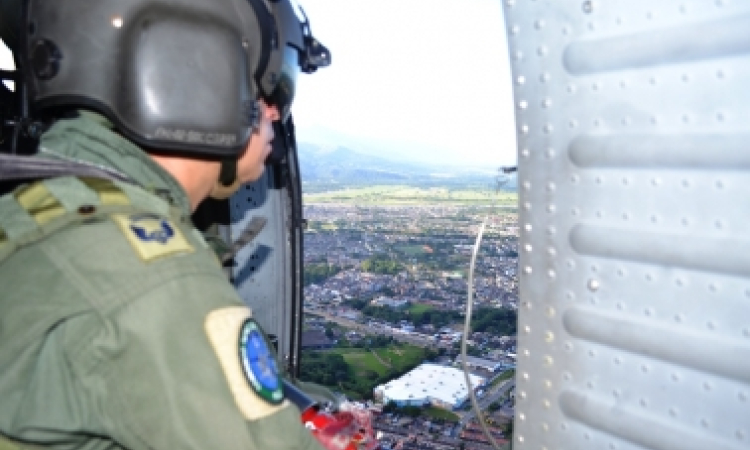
x=248 y=364
x=152 y=236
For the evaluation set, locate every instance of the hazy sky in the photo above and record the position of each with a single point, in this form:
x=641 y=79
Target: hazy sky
x=429 y=76
x=420 y=79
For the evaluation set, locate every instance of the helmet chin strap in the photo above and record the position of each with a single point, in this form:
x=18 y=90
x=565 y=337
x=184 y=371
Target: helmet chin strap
x=228 y=183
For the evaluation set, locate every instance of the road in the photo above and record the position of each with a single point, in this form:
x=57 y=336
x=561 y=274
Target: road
x=411 y=339
x=493 y=395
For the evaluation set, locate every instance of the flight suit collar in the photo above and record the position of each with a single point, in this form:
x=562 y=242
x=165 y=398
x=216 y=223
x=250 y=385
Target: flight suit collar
x=90 y=139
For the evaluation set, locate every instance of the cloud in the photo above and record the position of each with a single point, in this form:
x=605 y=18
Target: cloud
x=429 y=74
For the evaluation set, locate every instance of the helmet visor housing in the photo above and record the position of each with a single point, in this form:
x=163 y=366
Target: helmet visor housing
x=283 y=95
x=298 y=51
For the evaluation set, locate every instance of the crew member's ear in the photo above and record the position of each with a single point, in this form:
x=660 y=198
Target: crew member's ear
x=228 y=182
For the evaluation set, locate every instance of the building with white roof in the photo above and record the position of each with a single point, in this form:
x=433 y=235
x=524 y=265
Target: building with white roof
x=394 y=303
x=428 y=384
x=480 y=363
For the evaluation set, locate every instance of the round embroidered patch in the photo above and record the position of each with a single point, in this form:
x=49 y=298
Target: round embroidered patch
x=259 y=363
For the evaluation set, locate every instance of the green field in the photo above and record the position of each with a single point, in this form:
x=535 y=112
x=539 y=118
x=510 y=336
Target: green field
x=357 y=371
x=411 y=249
x=363 y=361
x=412 y=195
x=438 y=413
x=399 y=357
x=419 y=308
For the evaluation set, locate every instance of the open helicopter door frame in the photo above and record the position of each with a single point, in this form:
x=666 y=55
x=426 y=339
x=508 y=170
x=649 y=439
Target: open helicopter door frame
x=633 y=122
x=268 y=271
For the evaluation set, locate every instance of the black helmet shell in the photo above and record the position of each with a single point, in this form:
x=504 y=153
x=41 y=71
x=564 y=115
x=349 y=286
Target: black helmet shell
x=173 y=76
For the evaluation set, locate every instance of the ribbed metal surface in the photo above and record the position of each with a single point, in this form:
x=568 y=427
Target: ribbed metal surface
x=633 y=118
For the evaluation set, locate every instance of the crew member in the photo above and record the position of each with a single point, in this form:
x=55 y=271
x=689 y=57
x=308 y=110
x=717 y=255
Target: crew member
x=118 y=328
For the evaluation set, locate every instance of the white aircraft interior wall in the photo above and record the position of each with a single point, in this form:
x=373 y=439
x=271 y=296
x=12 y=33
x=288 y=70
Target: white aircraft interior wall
x=633 y=121
x=262 y=273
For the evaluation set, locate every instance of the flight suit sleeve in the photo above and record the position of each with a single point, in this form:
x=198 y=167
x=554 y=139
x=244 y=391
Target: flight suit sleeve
x=168 y=375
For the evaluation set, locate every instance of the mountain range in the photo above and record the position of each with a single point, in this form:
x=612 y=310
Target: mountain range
x=339 y=164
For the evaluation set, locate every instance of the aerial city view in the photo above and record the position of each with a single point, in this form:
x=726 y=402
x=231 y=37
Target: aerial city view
x=404 y=148
x=386 y=268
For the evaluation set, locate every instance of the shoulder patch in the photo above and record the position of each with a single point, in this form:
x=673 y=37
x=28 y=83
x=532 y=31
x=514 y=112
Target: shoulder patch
x=152 y=236
x=259 y=364
x=247 y=362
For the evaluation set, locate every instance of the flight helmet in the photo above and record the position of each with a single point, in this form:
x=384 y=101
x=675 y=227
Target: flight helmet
x=174 y=76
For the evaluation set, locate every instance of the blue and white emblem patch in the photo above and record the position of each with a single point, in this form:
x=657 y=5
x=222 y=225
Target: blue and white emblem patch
x=151 y=228
x=259 y=364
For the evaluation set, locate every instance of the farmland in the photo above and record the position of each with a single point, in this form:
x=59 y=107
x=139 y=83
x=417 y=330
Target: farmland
x=412 y=195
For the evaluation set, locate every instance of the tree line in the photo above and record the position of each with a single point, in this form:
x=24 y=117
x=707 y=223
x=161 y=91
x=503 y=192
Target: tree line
x=318 y=272
x=498 y=321
x=325 y=368
x=382 y=265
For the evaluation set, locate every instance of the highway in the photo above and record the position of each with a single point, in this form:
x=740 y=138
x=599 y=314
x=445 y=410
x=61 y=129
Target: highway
x=493 y=395
x=364 y=328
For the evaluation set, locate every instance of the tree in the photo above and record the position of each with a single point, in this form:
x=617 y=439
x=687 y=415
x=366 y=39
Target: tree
x=382 y=264
x=499 y=321
x=315 y=273
x=411 y=411
x=472 y=350
x=357 y=304
x=430 y=354
x=324 y=368
x=508 y=429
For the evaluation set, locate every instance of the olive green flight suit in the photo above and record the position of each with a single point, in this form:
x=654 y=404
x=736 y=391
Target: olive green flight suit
x=118 y=328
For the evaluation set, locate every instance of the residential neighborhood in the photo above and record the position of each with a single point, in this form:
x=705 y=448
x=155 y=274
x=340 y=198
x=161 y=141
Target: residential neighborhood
x=400 y=273
x=432 y=246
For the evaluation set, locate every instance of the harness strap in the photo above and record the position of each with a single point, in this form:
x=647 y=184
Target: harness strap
x=17 y=167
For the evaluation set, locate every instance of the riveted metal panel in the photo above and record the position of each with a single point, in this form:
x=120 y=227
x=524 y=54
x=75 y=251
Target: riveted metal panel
x=633 y=121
